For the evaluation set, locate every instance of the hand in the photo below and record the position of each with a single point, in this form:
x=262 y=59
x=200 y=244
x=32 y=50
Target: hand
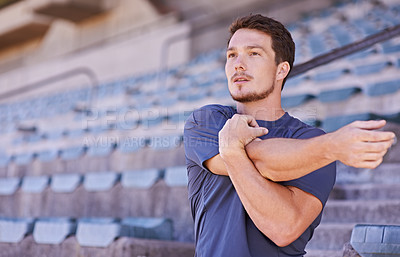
x=360 y=145
x=237 y=133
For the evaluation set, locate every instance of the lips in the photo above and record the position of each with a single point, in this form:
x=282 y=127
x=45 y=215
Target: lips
x=240 y=78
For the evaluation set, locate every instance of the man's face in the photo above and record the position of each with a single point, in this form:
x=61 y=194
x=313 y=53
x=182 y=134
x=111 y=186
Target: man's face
x=250 y=66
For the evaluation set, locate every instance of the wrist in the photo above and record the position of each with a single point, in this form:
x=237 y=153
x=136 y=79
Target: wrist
x=329 y=147
x=232 y=153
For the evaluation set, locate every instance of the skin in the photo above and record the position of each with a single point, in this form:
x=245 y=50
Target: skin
x=255 y=81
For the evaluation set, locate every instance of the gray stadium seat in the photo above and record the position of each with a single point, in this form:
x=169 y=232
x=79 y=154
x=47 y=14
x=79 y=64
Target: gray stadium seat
x=149 y=228
x=100 y=181
x=8 y=186
x=98 y=232
x=13 y=230
x=140 y=178
x=34 y=184
x=376 y=240
x=53 y=230
x=176 y=176
x=336 y=95
x=65 y=183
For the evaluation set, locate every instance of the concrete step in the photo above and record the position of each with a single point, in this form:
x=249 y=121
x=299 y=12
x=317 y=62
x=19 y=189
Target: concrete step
x=322 y=253
x=370 y=191
x=368 y=211
x=330 y=237
x=386 y=173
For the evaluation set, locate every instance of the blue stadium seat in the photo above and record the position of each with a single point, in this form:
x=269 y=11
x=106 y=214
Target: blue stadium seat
x=72 y=153
x=140 y=178
x=328 y=75
x=176 y=176
x=178 y=117
x=75 y=132
x=295 y=81
x=98 y=232
x=47 y=155
x=100 y=149
x=336 y=95
x=165 y=142
x=8 y=186
x=23 y=158
x=4 y=160
x=150 y=122
x=390 y=48
x=221 y=93
x=53 y=230
x=296 y=100
x=366 y=69
x=13 y=230
x=383 y=88
x=34 y=184
x=131 y=144
x=65 y=183
x=376 y=240
x=100 y=181
x=317 y=44
x=333 y=123
x=341 y=34
x=149 y=228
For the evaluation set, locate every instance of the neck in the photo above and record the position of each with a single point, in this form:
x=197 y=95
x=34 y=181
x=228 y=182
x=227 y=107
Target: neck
x=268 y=109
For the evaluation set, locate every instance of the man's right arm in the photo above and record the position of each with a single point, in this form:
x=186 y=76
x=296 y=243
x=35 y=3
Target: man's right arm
x=282 y=159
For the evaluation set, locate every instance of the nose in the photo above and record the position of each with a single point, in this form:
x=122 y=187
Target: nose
x=239 y=64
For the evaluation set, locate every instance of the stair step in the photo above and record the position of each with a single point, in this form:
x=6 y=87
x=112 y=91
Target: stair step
x=366 y=191
x=386 y=173
x=367 y=211
x=330 y=237
x=321 y=253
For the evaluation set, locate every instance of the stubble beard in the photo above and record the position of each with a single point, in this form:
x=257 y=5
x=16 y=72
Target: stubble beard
x=253 y=97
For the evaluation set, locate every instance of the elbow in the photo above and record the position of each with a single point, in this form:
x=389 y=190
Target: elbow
x=267 y=172
x=284 y=235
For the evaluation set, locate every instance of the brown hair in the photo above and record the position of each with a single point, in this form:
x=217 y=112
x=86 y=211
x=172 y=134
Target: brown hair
x=282 y=42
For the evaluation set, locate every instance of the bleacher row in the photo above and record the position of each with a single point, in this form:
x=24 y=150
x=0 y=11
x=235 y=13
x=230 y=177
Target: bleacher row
x=107 y=162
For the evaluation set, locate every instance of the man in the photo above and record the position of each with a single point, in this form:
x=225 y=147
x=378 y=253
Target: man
x=259 y=178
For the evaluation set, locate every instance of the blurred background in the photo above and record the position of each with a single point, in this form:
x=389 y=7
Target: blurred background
x=94 y=95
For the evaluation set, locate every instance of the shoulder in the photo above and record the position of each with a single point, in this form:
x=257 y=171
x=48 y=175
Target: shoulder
x=301 y=130
x=213 y=114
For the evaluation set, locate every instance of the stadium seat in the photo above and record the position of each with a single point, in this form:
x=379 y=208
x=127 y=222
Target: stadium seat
x=100 y=181
x=34 y=184
x=376 y=240
x=336 y=95
x=176 y=176
x=98 y=232
x=131 y=144
x=65 y=183
x=13 y=230
x=390 y=48
x=4 y=160
x=53 y=230
x=8 y=186
x=100 y=149
x=333 y=123
x=149 y=228
x=366 y=69
x=329 y=75
x=72 y=153
x=160 y=143
x=23 y=158
x=383 y=88
x=140 y=178
x=47 y=155
x=295 y=100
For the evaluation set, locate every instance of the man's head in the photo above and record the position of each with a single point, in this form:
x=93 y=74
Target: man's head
x=281 y=40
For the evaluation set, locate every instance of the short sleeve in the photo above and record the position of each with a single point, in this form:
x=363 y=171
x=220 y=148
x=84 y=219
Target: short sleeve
x=201 y=132
x=319 y=182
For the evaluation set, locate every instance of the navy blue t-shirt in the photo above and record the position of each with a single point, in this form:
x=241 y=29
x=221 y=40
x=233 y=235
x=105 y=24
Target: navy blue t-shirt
x=222 y=226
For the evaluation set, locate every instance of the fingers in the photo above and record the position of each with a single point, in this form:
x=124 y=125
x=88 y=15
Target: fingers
x=377 y=136
x=258 y=132
x=370 y=124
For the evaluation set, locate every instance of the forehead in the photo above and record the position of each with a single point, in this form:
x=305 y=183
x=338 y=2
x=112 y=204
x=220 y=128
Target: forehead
x=250 y=37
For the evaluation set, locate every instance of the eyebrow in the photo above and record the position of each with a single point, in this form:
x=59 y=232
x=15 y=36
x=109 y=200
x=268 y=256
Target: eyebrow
x=247 y=47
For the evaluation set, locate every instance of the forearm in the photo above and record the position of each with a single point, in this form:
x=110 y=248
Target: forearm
x=272 y=207
x=283 y=159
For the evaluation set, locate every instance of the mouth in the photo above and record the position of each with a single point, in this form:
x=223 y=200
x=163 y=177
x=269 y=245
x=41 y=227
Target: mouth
x=240 y=79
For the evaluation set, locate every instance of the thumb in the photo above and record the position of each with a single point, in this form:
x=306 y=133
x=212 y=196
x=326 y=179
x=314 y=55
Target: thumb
x=258 y=132
x=370 y=124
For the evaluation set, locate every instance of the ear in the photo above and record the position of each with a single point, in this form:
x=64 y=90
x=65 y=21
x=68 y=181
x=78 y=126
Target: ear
x=282 y=70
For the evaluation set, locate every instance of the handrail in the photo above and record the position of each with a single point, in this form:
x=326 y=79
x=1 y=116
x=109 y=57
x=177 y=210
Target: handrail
x=39 y=84
x=340 y=52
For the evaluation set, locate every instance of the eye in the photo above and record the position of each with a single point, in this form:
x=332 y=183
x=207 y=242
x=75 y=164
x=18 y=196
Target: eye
x=254 y=54
x=230 y=55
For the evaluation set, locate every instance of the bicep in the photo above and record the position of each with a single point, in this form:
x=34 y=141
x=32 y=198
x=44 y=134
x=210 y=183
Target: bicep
x=216 y=165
